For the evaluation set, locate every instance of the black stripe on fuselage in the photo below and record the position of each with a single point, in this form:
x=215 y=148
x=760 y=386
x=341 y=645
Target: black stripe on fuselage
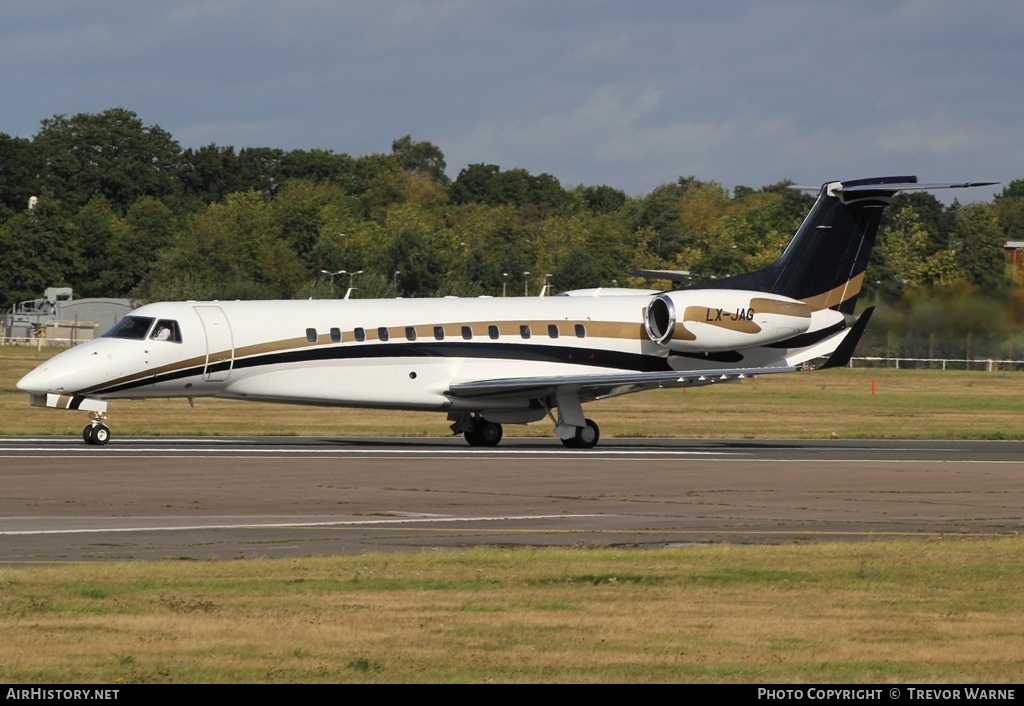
x=588 y=357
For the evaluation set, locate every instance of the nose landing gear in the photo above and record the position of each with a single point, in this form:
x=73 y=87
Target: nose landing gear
x=96 y=433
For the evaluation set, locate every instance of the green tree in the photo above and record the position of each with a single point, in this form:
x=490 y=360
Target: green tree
x=978 y=243
x=19 y=174
x=94 y=227
x=230 y=250
x=936 y=219
x=111 y=154
x=423 y=269
x=603 y=199
x=579 y=269
x=136 y=246
x=305 y=214
x=539 y=196
x=320 y=166
x=259 y=170
x=1009 y=207
x=209 y=173
x=420 y=158
x=40 y=250
x=900 y=254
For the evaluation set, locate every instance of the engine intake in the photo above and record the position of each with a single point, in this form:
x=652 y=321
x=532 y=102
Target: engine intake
x=723 y=319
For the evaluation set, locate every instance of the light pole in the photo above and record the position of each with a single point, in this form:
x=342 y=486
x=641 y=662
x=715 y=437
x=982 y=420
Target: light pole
x=351 y=281
x=504 y=283
x=526 y=283
x=331 y=275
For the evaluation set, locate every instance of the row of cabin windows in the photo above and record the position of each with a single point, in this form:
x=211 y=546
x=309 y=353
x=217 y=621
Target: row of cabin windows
x=384 y=334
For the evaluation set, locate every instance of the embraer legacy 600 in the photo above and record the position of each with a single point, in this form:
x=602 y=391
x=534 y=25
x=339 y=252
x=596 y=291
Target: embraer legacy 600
x=494 y=361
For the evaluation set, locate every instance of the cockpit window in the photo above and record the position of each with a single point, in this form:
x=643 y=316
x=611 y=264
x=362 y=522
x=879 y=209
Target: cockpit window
x=166 y=330
x=131 y=327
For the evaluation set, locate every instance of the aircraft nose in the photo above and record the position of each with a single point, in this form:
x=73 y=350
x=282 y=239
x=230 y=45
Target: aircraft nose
x=66 y=374
x=35 y=382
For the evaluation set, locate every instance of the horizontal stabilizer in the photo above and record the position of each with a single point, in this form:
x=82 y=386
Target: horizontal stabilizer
x=671 y=275
x=909 y=186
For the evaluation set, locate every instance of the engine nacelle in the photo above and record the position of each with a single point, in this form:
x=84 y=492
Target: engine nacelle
x=699 y=320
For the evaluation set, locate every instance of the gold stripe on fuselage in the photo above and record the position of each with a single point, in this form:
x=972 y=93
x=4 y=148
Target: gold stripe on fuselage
x=424 y=333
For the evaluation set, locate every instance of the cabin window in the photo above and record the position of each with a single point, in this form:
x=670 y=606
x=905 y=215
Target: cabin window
x=360 y=334
x=492 y=331
x=410 y=333
x=311 y=335
x=581 y=331
x=166 y=330
x=552 y=331
x=439 y=333
x=467 y=332
x=382 y=333
x=131 y=327
x=524 y=331
x=336 y=335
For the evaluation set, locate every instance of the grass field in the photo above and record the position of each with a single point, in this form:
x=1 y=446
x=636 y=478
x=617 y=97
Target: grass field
x=905 y=404
x=893 y=612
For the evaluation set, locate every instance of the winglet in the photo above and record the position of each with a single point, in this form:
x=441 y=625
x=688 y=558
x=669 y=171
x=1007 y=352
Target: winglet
x=844 y=351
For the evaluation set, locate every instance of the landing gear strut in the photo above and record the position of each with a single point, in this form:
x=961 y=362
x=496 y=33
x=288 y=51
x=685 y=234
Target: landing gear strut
x=585 y=438
x=96 y=433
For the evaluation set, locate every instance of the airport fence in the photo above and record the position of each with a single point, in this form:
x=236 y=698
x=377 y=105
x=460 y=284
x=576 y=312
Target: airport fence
x=990 y=365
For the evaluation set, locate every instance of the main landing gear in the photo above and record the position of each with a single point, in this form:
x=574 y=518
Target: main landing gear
x=477 y=430
x=583 y=434
x=96 y=433
x=585 y=438
x=483 y=433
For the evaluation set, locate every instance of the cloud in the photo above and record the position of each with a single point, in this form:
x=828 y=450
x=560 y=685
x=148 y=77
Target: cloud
x=627 y=94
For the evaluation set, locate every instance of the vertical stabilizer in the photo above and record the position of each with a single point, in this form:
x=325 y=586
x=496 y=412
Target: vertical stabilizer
x=824 y=263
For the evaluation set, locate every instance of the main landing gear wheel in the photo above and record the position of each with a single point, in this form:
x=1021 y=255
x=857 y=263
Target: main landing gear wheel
x=586 y=437
x=484 y=433
x=96 y=434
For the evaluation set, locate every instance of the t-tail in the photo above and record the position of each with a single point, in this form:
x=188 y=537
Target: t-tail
x=824 y=264
x=799 y=307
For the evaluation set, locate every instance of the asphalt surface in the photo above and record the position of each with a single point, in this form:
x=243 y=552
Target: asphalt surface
x=164 y=498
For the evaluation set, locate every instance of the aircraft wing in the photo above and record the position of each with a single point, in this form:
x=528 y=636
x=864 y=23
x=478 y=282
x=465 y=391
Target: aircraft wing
x=593 y=387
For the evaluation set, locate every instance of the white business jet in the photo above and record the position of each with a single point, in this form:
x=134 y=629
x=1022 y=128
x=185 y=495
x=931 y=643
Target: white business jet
x=493 y=361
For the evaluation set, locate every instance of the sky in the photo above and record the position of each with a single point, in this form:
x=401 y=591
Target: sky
x=627 y=94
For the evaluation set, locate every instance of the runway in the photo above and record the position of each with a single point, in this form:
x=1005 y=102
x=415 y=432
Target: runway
x=147 y=498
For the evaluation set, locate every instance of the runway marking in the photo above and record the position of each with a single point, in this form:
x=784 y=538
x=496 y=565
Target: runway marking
x=418 y=452
x=297 y=525
x=587 y=457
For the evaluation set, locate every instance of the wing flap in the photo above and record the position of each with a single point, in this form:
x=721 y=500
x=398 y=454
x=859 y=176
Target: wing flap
x=596 y=386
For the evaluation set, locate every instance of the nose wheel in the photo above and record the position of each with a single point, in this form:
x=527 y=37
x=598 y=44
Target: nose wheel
x=96 y=433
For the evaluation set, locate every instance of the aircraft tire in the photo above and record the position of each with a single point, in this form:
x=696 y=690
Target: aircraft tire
x=588 y=436
x=484 y=434
x=97 y=435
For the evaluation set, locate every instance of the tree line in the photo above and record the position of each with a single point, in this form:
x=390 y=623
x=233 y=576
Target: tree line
x=120 y=209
